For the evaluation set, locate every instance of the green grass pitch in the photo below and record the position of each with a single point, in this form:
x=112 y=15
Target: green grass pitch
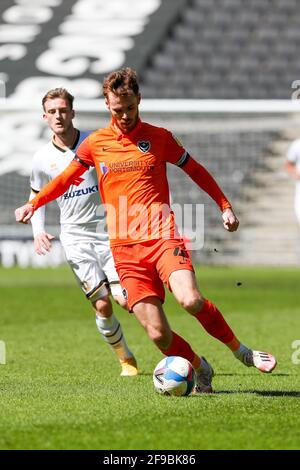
x=61 y=389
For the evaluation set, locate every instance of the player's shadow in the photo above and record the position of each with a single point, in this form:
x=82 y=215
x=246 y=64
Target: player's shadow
x=231 y=374
x=264 y=393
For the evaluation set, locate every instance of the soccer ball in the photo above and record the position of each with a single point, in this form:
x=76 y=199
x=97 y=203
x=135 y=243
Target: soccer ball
x=174 y=375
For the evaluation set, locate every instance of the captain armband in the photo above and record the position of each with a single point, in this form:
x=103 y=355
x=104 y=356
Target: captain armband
x=183 y=160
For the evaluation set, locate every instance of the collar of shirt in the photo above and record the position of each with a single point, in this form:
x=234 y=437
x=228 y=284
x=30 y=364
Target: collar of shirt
x=64 y=148
x=123 y=137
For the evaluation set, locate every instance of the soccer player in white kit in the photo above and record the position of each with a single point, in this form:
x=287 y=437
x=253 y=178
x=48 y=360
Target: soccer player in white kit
x=83 y=231
x=293 y=168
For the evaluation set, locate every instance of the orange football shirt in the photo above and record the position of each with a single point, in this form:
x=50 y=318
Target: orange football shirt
x=132 y=178
x=133 y=182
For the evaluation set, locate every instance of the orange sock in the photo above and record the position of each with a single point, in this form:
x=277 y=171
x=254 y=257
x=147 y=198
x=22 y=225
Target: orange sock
x=179 y=347
x=214 y=323
x=234 y=344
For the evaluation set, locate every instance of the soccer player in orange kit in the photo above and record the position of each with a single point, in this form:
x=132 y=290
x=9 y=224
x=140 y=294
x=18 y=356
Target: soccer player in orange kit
x=130 y=158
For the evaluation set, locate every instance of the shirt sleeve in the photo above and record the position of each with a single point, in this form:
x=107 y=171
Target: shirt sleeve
x=177 y=155
x=38 y=179
x=57 y=186
x=206 y=182
x=84 y=154
x=38 y=219
x=174 y=151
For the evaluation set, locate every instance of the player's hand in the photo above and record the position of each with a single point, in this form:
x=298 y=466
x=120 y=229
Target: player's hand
x=230 y=221
x=23 y=214
x=42 y=243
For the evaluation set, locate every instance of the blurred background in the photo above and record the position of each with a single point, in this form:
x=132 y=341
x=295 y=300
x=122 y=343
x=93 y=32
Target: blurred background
x=223 y=75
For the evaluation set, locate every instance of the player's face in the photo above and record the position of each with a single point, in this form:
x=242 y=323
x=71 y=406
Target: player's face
x=124 y=109
x=59 y=115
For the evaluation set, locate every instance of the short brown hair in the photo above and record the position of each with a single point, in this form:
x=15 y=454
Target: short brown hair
x=121 y=82
x=58 y=93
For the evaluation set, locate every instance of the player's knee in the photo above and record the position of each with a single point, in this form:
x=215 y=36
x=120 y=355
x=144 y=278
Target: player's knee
x=155 y=334
x=103 y=307
x=192 y=303
x=160 y=337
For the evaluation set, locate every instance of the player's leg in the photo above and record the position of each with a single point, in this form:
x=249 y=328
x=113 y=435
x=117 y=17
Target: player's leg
x=117 y=293
x=204 y=371
x=145 y=293
x=184 y=287
x=83 y=259
x=151 y=316
x=128 y=361
x=213 y=321
x=176 y=270
x=108 y=267
x=111 y=330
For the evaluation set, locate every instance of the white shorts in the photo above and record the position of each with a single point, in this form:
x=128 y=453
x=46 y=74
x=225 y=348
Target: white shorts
x=94 y=269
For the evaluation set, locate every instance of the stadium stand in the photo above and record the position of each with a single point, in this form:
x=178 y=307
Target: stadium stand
x=247 y=162
x=228 y=49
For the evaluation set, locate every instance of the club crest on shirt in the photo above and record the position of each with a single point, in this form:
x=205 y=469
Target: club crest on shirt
x=144 y=145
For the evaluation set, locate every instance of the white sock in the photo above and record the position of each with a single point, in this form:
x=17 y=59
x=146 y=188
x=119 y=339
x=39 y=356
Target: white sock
x=112 y=333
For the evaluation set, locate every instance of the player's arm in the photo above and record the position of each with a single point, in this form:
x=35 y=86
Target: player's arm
x=52 y=190
x=42 y=239
x=207 y=183
x=176 y=154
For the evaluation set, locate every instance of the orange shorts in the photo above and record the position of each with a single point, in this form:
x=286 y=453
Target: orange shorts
x=144 y=268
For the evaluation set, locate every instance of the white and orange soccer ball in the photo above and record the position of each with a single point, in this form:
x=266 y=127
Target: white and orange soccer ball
x=175 y=376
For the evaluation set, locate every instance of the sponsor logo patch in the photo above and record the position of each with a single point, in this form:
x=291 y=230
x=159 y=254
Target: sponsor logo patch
x=103 y=168
x=81 y=192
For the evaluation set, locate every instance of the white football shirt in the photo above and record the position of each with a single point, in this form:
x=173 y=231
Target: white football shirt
x=81 y=213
